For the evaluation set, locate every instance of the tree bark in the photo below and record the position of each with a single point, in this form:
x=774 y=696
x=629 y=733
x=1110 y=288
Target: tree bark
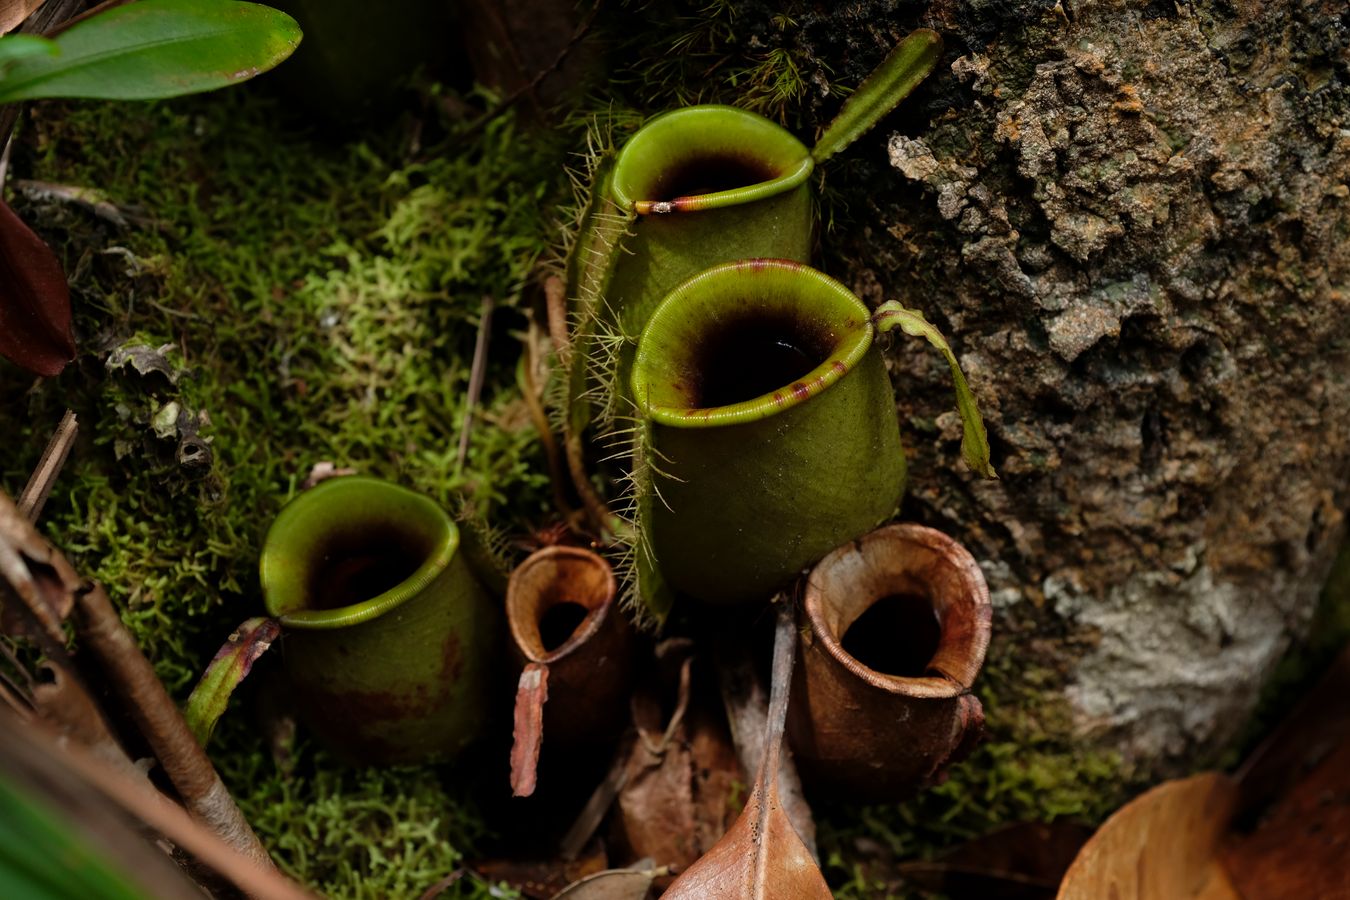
x=1131 y=220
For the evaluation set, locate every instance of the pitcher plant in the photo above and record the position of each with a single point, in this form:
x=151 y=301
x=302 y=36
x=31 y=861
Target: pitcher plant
x=768 y=433
x=576 y=649
x=691 y=189
x=898 y=626
x=388 y=639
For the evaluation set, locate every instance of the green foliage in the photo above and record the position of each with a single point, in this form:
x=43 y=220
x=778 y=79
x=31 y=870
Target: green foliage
x=153 y=49
x=702 y=54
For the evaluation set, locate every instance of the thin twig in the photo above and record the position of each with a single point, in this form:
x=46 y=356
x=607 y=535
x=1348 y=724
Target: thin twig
x=597 y=511
x=531 y=392
x=39 y=486
x=476 y=374
x=528 y=89
x=133 y=679
x=555 y=305
x=439 y=887
x=88 y=13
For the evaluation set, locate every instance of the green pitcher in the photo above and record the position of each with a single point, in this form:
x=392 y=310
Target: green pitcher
x=691 y=189
x=388 y=638
x=769 y=434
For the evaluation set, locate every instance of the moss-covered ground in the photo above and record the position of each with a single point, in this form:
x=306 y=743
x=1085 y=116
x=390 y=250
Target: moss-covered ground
x=307 y=295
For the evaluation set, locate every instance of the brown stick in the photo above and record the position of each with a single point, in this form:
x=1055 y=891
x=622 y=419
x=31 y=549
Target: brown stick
x=39 y=486
x=475 y=378
x=184 y=760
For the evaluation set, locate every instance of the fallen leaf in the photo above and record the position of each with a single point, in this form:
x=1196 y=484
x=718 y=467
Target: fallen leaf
x=676 y=802
x=1162 y=844
x=13 y=12
x=145 y=360
x=1021 y=861
x=35 y=326
x=761 y=857
x=40 y=581
x=226 y=671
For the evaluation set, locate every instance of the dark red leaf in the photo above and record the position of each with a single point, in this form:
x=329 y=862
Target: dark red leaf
x=34 y=300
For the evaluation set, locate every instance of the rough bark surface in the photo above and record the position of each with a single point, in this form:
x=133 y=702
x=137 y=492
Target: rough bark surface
x=1131 y=220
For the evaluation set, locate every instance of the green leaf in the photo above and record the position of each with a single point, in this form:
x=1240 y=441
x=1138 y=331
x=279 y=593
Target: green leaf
x=892 y=81
x=45 y=857
x=974 y=439
x=225 y=673
x=15 y=47
x=155 y=49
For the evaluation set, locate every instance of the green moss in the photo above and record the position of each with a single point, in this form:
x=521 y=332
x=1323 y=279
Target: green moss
x=364 y=834
x=324 y=297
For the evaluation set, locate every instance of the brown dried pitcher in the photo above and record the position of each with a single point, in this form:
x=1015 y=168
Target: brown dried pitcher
x=922 y=610
x=577 y=651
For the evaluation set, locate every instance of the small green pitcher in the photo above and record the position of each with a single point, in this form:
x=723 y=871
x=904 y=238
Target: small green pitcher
x=388 y=638
x=768 y=433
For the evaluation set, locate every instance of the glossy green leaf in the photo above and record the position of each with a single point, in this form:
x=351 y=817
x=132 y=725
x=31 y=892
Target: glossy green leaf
x=974 y=439
x=15 y=47
x=45 y=858
x=892 y=81
x=155 y=49
x=230 y=667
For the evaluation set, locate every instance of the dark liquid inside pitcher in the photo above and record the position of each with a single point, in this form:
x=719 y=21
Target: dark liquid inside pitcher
x=559 y=622
x=897 y=635
x=709 y=174
x=356 y=566
x=751 y=356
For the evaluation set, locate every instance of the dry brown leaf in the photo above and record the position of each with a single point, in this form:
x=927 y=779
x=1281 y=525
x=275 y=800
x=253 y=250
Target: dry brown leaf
x=682 y=776
x=1162 y=844
x=13 y=12
x=65 y=704
x=761 y=857
x=39 y=579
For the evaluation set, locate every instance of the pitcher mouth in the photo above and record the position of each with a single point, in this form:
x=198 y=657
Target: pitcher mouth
x=350 y=550
x=746 y=340
x=914 y=562
x=705 y=157
x=547 y=583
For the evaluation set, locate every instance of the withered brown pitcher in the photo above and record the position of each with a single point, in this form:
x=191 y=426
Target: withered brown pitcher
x=577 y=651
x=879 y=709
